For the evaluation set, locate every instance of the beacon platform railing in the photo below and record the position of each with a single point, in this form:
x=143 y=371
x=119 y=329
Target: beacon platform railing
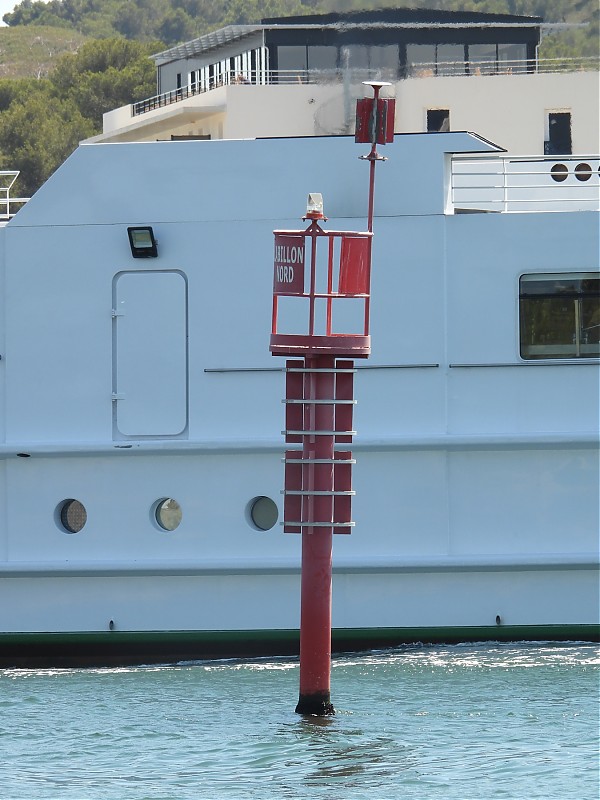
x=355 y=75
x=8 y=203
x=525 y=183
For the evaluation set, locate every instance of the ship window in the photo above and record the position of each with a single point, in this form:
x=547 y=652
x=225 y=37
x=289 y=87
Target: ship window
x=71 y=515
x=560 y=315
x=262 y=513
x=168 y=514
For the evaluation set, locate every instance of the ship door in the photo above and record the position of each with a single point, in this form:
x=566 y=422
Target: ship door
x=150 y=359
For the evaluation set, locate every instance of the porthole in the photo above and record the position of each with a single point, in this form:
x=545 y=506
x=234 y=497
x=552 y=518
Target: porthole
x=583 y=172
x=168 y=514
x=71 y=515
x=262 y=513
x=559 y=172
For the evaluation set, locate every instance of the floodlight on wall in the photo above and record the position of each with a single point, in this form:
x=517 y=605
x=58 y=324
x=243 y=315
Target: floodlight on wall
x=142 y=242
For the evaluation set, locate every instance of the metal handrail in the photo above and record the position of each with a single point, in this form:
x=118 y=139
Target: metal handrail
x=502 y=67
x=252 y=78
x=7 y=180
x=529 y=183
x=418 y=70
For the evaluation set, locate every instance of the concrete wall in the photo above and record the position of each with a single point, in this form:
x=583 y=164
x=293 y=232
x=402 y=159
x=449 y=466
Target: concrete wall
x=511 y=110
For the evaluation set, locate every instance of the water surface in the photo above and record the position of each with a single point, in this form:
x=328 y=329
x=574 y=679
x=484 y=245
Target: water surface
x=436 y=723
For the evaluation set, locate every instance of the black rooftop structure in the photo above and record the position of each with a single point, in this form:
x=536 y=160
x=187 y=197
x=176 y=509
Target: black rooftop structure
x=390 y=44
x=401 y=28
x=403 y=16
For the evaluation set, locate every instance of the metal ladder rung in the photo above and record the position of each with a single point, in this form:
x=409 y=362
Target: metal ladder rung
x=314 y=493
x=322 y=402
x=318 y=524
x=331 y=371
x=301 y=461
x=319 y=433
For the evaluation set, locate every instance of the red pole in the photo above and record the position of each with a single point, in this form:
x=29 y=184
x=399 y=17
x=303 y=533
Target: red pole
x=315 y=611
x=316 y=503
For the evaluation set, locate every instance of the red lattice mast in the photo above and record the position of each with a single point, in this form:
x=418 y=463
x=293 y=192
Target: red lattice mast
x=323 y=269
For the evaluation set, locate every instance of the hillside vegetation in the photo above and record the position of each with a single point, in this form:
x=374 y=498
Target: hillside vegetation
x=64 y=63
x=172 y=21
x=31 y=51
x=43 y=119
x=37 y=35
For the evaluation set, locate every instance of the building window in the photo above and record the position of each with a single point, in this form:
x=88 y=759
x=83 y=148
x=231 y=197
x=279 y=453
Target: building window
x=450 y=59
x=322 y=58
x=438 y=120
x=385 y=60
x=560 y=315
x=355 y=56
x=482 y=59
x=420 y=59
x=291 y=61
x=558 y=138
x=512 y=58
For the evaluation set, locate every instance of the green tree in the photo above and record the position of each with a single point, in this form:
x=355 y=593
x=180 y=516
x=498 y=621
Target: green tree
x=37 y=134
x=105 y=74
x=176 y=26
x=42 y=121
x=140 y=19
x=243 y=12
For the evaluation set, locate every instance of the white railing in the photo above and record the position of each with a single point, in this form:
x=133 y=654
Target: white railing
x=289 y=77
x=502 y=67
x=8 y=203
x=525 y=183
x=421 y=70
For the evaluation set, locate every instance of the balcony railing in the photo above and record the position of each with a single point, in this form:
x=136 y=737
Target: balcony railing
x=9 y=205
x=527 y=183
x=502 y=67
x=259 y=78
x=323 y=76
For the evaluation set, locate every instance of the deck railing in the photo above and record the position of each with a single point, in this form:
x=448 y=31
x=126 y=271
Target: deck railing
x=321 y=76
x=525 y=183
x=8 y=203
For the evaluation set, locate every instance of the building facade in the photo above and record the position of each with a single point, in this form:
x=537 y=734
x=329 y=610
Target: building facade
x=301 y=76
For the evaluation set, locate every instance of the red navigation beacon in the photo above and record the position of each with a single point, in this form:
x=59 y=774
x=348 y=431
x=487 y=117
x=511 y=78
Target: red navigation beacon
x=323 y=278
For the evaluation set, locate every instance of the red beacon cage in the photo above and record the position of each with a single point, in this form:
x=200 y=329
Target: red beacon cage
x=321 y=268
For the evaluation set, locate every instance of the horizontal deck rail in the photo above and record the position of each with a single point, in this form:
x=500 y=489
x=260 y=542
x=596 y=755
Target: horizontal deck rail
x=525 y=183
x=8 y=203
x=249 y=566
